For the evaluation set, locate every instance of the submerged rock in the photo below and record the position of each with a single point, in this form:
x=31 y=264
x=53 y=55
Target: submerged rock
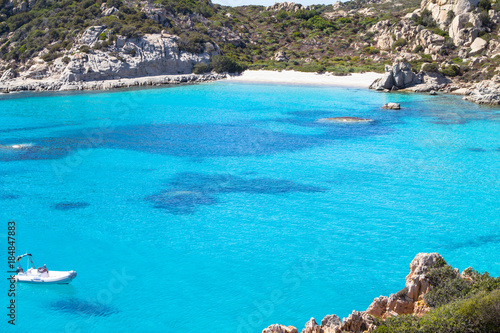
x=343 y=120
x=392 y=106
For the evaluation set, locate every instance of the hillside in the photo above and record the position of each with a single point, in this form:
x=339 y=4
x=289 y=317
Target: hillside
x=75 y=41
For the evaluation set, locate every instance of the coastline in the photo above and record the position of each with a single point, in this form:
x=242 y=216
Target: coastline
x=355 y=80
x=16 y=85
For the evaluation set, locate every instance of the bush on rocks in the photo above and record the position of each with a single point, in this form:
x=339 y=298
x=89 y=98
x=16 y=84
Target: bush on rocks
x=201 y=68
x=224 y=64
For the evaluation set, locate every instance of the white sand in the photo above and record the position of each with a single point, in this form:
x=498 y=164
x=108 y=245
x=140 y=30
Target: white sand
x=292 y=77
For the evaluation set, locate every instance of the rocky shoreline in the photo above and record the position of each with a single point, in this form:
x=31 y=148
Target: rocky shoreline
x=409 y=300
x=400 y=76
x=17 y=85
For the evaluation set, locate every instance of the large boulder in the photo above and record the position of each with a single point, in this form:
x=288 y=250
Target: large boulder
x=392 y=106
x=286 y=6
x=417 y=283
x=7 y=75
x=280 y=56
x=410 y=299
x=430 y=41
x=440 y=8
x=397 y=76
x=478 y=46
x=312 y=327
x=331 y=324
x=358 y=322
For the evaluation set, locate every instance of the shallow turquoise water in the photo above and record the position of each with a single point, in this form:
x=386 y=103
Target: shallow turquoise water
x=226 y=207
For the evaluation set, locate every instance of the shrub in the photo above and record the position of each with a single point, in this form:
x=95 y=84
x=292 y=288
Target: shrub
x=429 y=67
x=406 y=324
x=399 y=43
x=128 y=31
x=426 y=19
x=193 y=43
x=224 y=64
x=440 y=32
x=418 y=49
x=305 y=14
x=85 y=48
x=201 y=68
x=371 y=50
x=449 y=44
x=450 y=16
x=66 y=60
x=282 y=15
x=312 y=68
x=485 y=19
x=344 y=20
x=452 y=70
x=102 y=36
x=484 y=5
x=318 y=23
x=50 y=56
x=477 y=314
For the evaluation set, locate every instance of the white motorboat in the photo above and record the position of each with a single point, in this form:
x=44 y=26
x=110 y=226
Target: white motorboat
x=42 y=274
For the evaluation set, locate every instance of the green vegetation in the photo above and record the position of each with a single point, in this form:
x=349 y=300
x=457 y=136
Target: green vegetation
x=426 y=19
x=470 y=304
x=222 y=64
x=452 y=70
x=201 y=68
x=248 y=35
x=399 y=43
x=315 y=40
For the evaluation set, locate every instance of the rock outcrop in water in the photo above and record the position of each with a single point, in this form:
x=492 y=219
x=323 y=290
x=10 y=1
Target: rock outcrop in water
x=392 y=106
x=407 y=301
x=345 y=120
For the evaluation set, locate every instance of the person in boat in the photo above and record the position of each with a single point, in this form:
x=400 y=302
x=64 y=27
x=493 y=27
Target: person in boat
x=19 y=269
x=43 y=269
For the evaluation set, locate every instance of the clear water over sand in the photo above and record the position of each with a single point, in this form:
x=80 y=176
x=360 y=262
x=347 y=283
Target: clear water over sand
x=226 y=207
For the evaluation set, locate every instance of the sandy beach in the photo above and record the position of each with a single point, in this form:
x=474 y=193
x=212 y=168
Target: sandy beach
x=284 y=77
x=359 y=80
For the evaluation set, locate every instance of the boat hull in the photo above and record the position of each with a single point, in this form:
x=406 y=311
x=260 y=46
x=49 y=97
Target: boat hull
x=54 y=277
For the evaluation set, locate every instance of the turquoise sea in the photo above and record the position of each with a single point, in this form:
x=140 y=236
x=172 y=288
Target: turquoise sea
x=226 y=207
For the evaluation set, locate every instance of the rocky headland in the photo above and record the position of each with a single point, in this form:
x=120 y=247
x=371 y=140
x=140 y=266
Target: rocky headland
x=411 y=300
x=152 y=59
